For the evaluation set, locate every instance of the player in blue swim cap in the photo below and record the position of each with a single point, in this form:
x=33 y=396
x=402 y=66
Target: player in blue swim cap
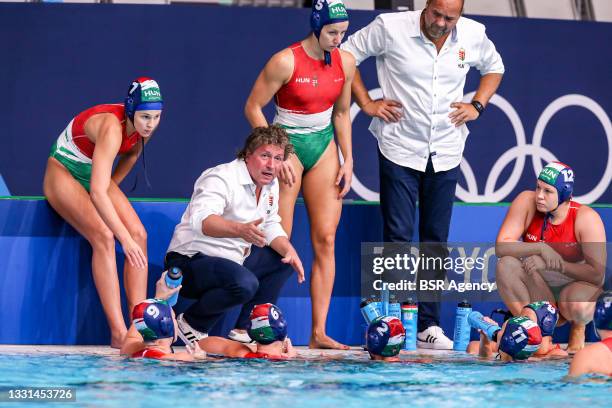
x=385 y=338
x=310 y=83
x=153 y=329
x=552 y=248
x=518 y=339
x=546 y=315
x=597 y=358
x=325 y=12
x=268 y=329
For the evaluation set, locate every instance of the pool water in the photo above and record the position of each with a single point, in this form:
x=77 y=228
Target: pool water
x=449 y=380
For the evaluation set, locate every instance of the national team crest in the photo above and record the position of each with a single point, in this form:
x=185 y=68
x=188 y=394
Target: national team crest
x=461 y=58
x=270 y=203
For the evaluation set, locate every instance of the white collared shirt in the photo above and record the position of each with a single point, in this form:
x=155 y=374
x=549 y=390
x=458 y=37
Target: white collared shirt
x=412 y=72
x=226 y=190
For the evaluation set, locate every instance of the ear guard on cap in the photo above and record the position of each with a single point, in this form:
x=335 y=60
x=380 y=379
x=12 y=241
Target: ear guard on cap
x=522 y=337
x=326 y=12
x=153 y=319
x=267 y=324
x=547 y=314
x=144 y=94
x=385 y=336
x=602 y=318
x=561 y=177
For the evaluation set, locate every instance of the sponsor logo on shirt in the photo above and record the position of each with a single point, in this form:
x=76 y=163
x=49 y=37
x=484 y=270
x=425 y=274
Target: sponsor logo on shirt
x=532 y=237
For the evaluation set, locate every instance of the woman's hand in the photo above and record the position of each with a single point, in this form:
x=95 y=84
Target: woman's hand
x=162 y=291
x=134 y=254
x=346 y=173
x=554 y=261
x=286 y=173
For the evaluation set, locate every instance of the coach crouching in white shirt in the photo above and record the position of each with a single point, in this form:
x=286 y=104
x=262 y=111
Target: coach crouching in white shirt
x=422 y=59
x=233 y=207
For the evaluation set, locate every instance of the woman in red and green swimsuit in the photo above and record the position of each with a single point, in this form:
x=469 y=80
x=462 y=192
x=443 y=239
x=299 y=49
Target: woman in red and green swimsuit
x=82 y=187
x=311 y=83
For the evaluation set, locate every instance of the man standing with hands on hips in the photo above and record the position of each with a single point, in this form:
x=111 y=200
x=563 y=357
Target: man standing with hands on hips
x=422 y=60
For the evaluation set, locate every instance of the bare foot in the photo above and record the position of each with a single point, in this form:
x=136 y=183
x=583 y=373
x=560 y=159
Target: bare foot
x=576 y=338
x=325 y=342
x=117 y=339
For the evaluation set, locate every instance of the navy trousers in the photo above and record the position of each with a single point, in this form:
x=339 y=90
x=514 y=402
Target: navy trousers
x=218 y=284
x=400 y=189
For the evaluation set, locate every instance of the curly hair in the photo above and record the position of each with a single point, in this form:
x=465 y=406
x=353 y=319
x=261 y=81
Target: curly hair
x=263 y=135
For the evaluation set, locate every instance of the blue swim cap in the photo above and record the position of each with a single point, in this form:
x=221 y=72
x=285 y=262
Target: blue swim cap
x=143 y=94
x=602 y=318
x=561 y=177
x=153 y=319
x=385 y=336
x=267 y=324
x=326 y=12
x=547 y=314
x=522 y=337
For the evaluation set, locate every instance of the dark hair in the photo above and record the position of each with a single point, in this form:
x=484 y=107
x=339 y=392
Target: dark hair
x=264 y=135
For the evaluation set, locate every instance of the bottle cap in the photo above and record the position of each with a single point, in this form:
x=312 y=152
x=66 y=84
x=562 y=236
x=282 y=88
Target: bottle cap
x=365 y=303
x=175 y=272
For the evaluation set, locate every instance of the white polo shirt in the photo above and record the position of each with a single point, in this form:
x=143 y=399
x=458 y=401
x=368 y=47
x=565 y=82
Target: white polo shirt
x=226 y=190
x=412 y=72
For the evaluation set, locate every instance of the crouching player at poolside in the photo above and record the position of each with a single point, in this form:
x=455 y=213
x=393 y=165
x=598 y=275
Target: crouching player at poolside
x=267 y=327
x=154 y=329
x=562 y=257
x=597 y=358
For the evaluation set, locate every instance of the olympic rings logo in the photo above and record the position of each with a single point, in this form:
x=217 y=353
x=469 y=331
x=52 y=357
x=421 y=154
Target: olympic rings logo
x=519 y=152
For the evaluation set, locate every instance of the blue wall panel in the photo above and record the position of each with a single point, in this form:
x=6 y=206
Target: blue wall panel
x=59 y=59
x=48 y=295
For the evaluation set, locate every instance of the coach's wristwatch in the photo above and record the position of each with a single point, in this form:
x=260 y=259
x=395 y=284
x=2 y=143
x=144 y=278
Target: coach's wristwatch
x=478 y=106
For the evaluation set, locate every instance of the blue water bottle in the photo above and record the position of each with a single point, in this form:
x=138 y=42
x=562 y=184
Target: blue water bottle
x=369 y=311
x=174 y=277
x=395 y=309
x=384 y=300
x=410 y=312
x=461 y=337
x=378 y=305
x=476 y=321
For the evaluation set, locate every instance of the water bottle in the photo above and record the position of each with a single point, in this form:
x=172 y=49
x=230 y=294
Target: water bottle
x=461 y=337
x=174 y=277
x=378 y=305
x=369 y=311
x=476 y=321
x=410 y=312
x=384 y=297
x=395 y=309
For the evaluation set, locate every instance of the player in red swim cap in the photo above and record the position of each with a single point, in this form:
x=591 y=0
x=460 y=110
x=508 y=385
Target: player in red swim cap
x=81 y=185
x=310 y=82
x=561 y=258
x=267 y=328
